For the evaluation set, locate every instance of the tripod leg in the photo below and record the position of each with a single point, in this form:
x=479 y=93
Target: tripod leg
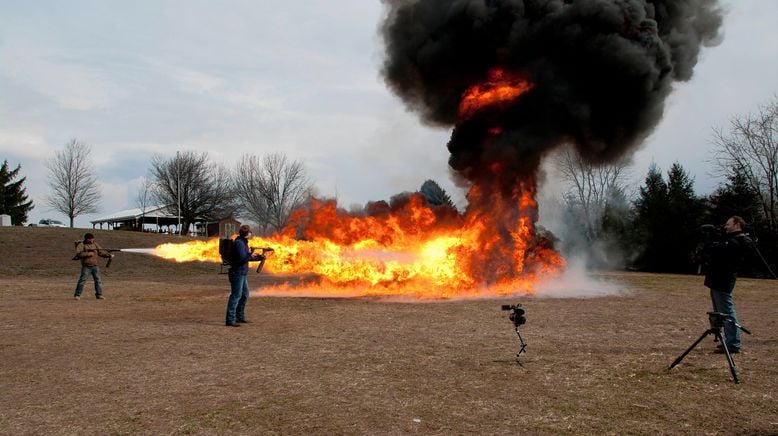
x=688 y=350
x=731 y=362
x=521 y=341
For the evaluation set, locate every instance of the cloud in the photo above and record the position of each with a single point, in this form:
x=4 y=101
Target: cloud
x=115 y=197
x=199 y=82
x=62 y=78
x=140 y=78
x=23 y=144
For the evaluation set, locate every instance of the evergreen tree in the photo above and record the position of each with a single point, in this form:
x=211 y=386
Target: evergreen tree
x=435 y=195
x=685 y=215
x=736 y=197
x=13 y=199
x=651 y=223
x=616 y=233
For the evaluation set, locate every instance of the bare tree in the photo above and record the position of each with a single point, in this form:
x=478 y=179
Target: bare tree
x=143 y=198
x=192 y=187
x=750 y=147
x=270 y=188
x=74 y=189
x=590 y=187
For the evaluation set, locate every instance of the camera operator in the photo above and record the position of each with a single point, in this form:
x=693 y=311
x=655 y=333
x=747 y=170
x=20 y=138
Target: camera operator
x=724 y=256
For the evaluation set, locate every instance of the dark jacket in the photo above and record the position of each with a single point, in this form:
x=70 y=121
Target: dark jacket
x=725 y=257
x=241 y=255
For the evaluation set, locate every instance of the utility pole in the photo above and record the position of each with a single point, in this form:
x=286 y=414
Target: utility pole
x=178 y=192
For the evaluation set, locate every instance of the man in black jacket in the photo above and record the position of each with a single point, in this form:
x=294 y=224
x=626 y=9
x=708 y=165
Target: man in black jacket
x=725 y=256
x=239 y=288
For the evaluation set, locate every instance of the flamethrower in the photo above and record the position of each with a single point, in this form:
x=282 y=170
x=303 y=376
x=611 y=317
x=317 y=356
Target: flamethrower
x=262 y=257
x=109 y=250
x=517 y=317
x=110 y=259
x=226 y=246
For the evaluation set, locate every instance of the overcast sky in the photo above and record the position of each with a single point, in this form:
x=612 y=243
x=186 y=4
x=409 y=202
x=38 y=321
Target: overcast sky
x=301 y=77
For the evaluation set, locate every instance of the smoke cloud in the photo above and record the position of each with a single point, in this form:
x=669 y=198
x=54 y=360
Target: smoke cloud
x=600 y=69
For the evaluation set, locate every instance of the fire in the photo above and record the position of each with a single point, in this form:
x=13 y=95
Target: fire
x=501 y=87
x=412 y=249
x=416 y=250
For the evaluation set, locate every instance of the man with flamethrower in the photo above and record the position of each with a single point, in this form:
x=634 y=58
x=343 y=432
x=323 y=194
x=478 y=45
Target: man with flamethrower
x=87 y=251
x=239 y=259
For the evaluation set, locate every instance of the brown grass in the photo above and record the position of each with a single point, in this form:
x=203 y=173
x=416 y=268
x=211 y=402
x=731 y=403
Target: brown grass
x=155 y=358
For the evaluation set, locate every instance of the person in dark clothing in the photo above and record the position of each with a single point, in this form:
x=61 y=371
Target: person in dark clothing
x=239 y=287
x=725 y=256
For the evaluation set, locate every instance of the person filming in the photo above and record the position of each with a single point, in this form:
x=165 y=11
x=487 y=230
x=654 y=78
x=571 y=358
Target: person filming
x=725 y=255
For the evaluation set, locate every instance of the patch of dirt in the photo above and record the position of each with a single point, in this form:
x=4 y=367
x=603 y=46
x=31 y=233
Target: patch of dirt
x=155 y=358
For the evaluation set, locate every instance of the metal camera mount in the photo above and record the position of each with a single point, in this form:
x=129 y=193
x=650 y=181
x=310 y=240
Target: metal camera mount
x=517 y=317
x=717 y=320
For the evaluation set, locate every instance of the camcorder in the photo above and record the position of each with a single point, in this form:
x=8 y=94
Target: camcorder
x=714 y=237
x=517 y=318
x=516 y=315
x=710 y=237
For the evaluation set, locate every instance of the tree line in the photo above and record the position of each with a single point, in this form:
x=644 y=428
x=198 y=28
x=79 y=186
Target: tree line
x=658 y=228
x=655 y=229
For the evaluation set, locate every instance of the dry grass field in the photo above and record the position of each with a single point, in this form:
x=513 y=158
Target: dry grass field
x=155 y=358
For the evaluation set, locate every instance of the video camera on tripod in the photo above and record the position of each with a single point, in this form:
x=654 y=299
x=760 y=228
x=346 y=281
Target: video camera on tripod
x=518 y=319
x=517 y=314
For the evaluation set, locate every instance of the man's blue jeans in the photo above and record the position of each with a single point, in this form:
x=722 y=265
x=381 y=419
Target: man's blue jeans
x=239 y=294
x=722 y=302
x=86 y=271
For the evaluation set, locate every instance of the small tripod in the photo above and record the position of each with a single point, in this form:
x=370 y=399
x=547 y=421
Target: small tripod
x=717 y=320
x=517 y=318
x=523 y=344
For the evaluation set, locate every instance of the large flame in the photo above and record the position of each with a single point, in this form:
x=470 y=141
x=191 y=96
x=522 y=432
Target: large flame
x=416 y=250
x=413 y=249
x=500 y=88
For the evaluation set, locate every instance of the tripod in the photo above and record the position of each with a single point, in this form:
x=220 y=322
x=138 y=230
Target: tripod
x=517 y=318
x=523 y=344
x=717 y=320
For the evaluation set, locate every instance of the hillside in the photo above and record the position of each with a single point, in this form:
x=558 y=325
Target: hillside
x=48 y=251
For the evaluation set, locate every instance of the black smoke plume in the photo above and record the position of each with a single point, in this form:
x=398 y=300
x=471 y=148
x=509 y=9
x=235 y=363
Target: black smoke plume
x=601 y=71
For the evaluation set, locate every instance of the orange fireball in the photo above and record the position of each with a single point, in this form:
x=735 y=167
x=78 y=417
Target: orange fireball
x=412 y=249
x=501 y=87
x=416 y=250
